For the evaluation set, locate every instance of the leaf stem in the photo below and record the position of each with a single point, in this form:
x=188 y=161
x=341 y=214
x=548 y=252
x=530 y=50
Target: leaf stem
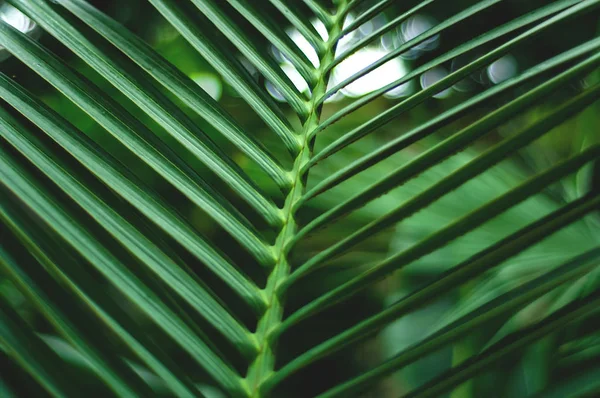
x=263 y=365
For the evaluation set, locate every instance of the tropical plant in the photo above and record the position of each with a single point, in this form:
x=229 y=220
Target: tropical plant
x=178 y=251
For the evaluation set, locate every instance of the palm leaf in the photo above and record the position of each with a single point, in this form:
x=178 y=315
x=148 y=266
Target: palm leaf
x=190 y=248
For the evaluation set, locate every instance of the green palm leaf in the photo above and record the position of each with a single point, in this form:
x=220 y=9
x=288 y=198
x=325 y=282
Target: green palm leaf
x=157 y=241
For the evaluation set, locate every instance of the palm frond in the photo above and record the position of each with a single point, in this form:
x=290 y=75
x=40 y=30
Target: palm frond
x=176 y=247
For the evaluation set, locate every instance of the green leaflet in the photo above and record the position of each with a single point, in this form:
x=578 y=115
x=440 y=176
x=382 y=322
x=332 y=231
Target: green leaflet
x=32 y=354
x=443 y=236
x=445 y=118
x=261 y=61
x=269 y=28
x=471 y=268
x=448 y=81
x=377 y=33
x=182 y=86
x=135 y=137
x=118 y=274
x=232 y=71
x=576 y=310
x=460 y=176
x=45 y=286
x=123 y=182
x=120 y=379
x=291 y=12
x=134 y=241
x=480 y=6
x=140 y=90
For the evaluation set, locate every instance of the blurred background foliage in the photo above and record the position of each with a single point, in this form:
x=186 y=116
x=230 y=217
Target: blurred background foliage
x=524 y=374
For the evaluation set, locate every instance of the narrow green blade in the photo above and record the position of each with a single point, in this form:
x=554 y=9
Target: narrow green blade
x=320 y=12
x=578 y=310
x=462 y=15
x=163 y=72
x=231 y=70
x=261 y=61
x=451 y=115
x=38 y=286
x=371 y=37
x=33 y=355
x=472 y=169
x=121 y=277
x=298 y=19
x=471 y=268
x=188 y=288
x=125 y=184
x=445 y=235
x=502 y=305
x=278 y=37
x=80 y=332
x=138 y=139
x=494 y=34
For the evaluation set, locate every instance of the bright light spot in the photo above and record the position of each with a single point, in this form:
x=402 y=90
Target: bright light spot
x=502 y=69
x=16 y=18
x=295 y=77
x=304 y=46
x=385 y=74
x=210 y=83
x=320 y=28
x=274 y=92
x=19 y=21
x=414 y=27
x=433 y=76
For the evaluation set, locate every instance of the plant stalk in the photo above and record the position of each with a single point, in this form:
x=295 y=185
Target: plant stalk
x=264 y=364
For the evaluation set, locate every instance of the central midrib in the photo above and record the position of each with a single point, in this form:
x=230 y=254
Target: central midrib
x=263 y=365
